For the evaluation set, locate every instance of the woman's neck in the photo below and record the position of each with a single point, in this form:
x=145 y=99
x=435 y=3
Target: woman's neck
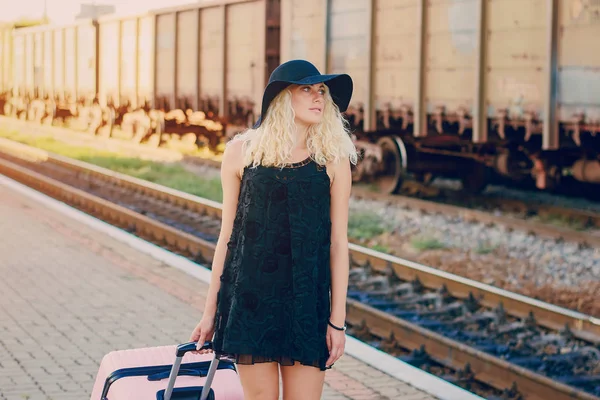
x=300 y=137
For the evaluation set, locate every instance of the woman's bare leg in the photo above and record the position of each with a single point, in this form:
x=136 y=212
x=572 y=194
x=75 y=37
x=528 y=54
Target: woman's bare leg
x=260 y=381
x=301 y=382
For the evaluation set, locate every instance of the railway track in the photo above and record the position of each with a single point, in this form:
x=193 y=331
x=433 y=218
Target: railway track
x=499 y=344
x=575 y=296
x=513 y=214
x=516 y=214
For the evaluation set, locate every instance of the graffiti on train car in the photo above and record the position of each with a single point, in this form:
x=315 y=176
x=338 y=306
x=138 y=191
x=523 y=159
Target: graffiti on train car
x=517 y=92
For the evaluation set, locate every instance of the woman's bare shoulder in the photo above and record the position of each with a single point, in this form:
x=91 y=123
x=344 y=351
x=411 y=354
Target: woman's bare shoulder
x=233 y=157
x=234 y=148
x=340 y=168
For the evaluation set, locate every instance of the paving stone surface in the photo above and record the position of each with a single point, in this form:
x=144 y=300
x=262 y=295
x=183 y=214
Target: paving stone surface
x=71 y=294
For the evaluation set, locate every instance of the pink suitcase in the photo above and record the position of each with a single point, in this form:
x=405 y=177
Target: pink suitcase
x=150 y=373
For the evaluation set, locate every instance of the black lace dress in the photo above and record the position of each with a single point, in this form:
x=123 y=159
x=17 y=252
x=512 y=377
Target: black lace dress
x=274 y=299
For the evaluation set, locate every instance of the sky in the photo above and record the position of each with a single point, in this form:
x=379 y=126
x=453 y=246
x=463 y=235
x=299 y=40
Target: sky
x=64 y=11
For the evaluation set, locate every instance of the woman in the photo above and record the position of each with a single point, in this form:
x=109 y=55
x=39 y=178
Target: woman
x=277 y=298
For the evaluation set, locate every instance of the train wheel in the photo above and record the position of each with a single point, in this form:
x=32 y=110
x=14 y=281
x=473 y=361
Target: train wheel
x=393 y=167
x=476 y=179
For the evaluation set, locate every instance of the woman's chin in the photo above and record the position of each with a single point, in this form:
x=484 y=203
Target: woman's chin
x=314 y=120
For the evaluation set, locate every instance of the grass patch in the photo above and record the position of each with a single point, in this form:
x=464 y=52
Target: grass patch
x=485 y=248
x=427 y=243
x=562 y=221
x=170 y=175
x=50 y=144
x=370 y=187
x=381 y=248
x=363 y=225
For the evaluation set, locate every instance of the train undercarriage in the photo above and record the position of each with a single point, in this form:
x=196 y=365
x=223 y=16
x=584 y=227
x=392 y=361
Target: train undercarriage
x=389 y=156
x=513 y=155
x=141 y=123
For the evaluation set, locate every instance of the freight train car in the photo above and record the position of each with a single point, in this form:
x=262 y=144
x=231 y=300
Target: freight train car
x=472 y=89
x=125 y=67
x=5 y=64
x=53 y=71
x=193 y=69
x=126 y=73
x=5 y=57
x=217 y=58
x=462 y=88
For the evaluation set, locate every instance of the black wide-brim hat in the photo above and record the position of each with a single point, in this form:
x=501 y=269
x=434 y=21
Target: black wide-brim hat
x=301 y=72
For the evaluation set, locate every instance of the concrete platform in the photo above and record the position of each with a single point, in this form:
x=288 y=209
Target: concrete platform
x=74 y=288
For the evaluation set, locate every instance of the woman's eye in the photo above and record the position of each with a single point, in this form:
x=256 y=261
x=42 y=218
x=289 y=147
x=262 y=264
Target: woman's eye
x=308 y=89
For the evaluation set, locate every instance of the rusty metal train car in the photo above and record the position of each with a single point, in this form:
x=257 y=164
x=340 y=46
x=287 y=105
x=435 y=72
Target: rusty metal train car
x=5 y=63
x=461 y=88
x=51 y=69
x=166 y=64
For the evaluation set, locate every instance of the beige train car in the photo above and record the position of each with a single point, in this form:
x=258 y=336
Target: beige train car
x=577 y=68
x=216 y=56
x=5 y=59
x=453 y=88
x=126 y=60
x=449 y=77
x=53 y=60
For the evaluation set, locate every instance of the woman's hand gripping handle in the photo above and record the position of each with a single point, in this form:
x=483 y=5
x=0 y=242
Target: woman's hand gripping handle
x=203 y=332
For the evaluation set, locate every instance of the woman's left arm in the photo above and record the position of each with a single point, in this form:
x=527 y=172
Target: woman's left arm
x=340 y=197
x=339 y=262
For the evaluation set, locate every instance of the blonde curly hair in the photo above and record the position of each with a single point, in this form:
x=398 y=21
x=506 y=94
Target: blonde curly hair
x=272 y=142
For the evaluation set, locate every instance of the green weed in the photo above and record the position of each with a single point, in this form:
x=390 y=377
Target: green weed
x=170 y=175
x=426 y=243
x=364 y=225
x=485 y=248
x=562 y=221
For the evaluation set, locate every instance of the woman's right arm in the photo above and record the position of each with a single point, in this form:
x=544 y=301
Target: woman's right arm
x=231 y=166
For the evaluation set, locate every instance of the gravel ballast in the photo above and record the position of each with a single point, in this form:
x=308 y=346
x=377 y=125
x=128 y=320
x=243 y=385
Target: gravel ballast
x=560 y=273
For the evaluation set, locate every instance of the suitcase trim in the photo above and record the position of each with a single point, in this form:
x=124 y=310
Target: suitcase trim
x=160 y=395
x=202 y=367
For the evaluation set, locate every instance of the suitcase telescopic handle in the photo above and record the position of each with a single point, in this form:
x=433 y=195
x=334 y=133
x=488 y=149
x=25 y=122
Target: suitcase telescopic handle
x=180 y=352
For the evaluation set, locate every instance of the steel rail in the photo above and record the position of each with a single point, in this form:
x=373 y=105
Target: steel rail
x=487 y=368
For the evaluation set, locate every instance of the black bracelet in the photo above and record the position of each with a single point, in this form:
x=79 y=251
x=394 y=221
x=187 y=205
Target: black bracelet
x=337 y=328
